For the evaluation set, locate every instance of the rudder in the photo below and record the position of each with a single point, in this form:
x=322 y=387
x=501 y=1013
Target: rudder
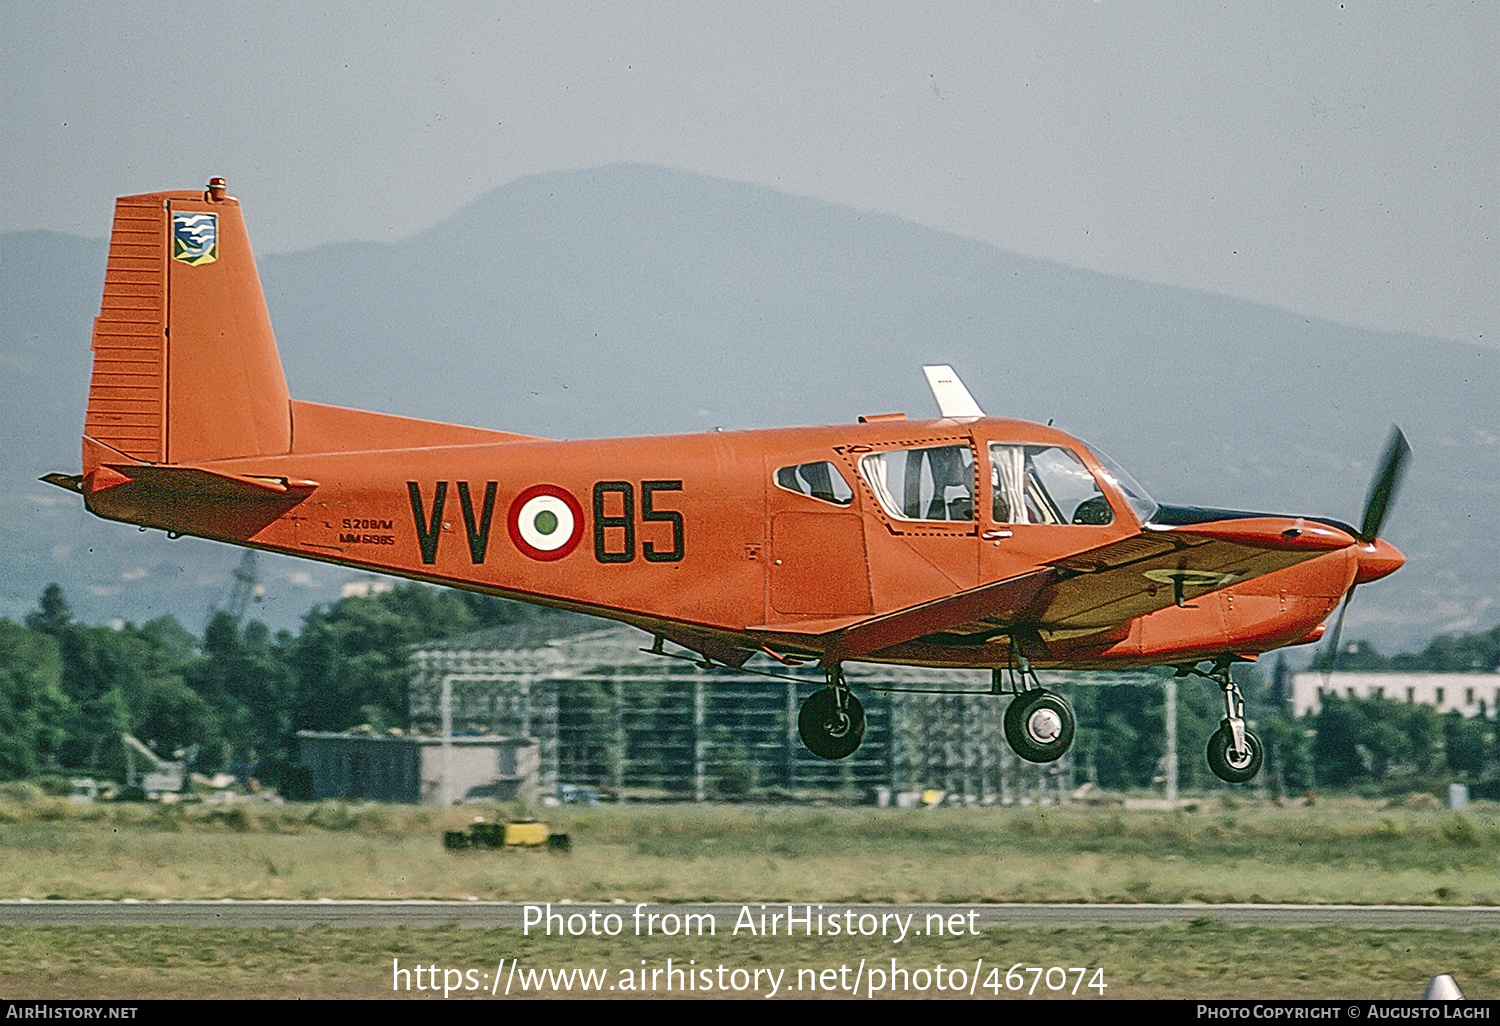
x=185 y=361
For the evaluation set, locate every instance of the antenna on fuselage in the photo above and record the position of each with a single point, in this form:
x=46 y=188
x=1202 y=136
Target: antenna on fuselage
x=952 y=397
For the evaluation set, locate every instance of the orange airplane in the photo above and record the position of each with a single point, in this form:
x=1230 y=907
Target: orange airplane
x=965 y=541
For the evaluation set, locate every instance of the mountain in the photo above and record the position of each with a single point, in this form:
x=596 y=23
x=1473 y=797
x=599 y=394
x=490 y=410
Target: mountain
x=638 y=300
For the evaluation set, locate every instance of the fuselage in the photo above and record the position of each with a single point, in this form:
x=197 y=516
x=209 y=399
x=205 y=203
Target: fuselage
x=729 y=541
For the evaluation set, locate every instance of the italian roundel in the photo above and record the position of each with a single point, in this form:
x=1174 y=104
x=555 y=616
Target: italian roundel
x=545 y=522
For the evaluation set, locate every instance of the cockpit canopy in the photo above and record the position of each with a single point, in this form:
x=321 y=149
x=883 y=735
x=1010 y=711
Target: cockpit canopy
x=1029 y=484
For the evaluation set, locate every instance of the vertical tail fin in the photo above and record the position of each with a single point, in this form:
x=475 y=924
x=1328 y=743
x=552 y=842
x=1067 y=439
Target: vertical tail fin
x=185 y=362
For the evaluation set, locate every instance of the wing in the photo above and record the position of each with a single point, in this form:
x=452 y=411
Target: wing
x=1094 y=590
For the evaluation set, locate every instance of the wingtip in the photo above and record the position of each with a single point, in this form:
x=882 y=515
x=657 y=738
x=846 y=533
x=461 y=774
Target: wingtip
x=70 y=482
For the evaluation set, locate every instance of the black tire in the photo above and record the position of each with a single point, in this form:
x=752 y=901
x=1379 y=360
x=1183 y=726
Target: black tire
x=1243 y=766
x=825 y=731
x=1040 y=725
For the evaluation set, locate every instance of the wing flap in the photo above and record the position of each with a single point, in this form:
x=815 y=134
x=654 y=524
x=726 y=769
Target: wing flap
x=951 y=613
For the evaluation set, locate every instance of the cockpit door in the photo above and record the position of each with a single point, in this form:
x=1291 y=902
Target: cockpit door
x=1042 y=502
x=920 y=517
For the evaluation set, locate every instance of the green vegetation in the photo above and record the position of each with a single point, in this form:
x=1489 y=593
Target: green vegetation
x=1348 y=851
x=1336 y=851
x=234 y=701
x=1447 y=653
x=68 y=691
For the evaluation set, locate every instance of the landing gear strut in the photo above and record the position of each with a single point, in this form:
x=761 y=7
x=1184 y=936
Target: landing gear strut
x=1234 y=753
x=832 y=721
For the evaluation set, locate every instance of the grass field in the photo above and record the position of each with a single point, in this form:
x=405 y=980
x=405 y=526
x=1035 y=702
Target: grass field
x=1202 y=961
x=1346 y=851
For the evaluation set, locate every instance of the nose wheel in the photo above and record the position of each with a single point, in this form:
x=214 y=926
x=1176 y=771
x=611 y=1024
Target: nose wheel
x=1234 y=753
x=1039 y=725
x=1233 y=763
x=832 y=721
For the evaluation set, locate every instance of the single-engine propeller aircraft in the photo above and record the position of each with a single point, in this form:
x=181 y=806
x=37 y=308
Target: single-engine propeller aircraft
x=964 y=541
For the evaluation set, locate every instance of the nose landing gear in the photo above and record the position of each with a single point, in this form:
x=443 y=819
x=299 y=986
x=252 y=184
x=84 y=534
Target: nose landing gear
x=1234 y=753
x=1231 y=761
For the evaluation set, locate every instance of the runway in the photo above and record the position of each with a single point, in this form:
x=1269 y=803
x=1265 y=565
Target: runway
x=511 y=915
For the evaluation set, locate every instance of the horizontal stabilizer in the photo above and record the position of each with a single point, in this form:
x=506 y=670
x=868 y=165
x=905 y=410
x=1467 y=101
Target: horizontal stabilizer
x=209 y=483
x=72 y=482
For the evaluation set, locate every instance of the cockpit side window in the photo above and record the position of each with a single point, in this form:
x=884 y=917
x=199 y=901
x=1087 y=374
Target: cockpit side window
x=817 y=481
x=1044 y=484
x=923 y=484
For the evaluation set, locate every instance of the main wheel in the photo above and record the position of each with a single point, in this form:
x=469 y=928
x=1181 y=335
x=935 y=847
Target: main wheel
x=1039 y=726
x=828 y=732
x=1229 y=765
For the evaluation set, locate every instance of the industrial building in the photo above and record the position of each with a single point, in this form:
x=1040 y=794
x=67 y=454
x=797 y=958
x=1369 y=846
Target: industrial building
x=609 y=714
x=403 y=768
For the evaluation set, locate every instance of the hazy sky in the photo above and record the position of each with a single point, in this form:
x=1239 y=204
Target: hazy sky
x=1337 y=159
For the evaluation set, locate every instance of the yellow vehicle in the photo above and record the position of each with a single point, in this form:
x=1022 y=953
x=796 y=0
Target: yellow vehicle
x=522 y=833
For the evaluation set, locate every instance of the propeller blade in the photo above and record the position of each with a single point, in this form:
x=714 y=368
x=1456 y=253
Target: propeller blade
x=1384 y=486
x=1338 y=631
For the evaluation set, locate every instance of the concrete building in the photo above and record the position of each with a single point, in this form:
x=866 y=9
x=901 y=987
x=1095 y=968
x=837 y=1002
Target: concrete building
x=429 y=770
x=1471 y=694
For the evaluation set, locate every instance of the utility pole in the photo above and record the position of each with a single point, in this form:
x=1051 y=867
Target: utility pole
x=1171 y=714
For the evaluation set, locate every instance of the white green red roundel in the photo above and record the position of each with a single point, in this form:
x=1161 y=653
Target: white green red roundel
x=545 y=522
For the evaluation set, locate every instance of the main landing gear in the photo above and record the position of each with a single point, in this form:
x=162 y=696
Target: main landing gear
x=1039 y=725
x=1234 y=753
x=832 y=721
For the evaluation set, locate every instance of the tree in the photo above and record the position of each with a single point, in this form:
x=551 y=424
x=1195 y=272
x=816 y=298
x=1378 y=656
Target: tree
x=1341 y=727
x=53 y=615
x=351 y=657
x=1358 y=656
x=33 y=708
x=1375 y=740
x=1457 y=653
x=1469 y=743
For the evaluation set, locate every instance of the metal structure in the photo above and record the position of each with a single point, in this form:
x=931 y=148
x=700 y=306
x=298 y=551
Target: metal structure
x=609 y=713
x=246 y=585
